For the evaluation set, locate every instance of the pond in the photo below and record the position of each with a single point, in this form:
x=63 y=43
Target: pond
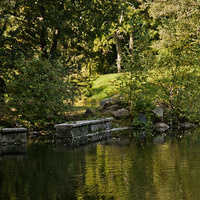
x=121 y=168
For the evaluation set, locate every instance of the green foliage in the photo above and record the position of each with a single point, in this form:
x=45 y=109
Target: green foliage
x=178 y=87
x=38 y=92
x=88 y=36
x=177 y=59
x=174 y=66
x=135 y=64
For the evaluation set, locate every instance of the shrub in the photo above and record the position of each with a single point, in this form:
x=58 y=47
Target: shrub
x=39 y=92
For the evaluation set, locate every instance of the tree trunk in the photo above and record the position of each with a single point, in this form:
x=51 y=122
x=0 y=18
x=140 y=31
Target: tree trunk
x=43 y=45
x=119 y=52
x=2 y=91
x=55 y=43
x=131 y=41
x=42 y=31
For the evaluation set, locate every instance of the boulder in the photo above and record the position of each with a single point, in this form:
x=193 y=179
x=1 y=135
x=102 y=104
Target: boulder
x=116 y=99
x=161 y=126
x=188 y=125
x=142 y=118
x=105 y=101
x=121 y=113
x=110 y=104
x=113 y=107
x=158 y=112
x=88 y=112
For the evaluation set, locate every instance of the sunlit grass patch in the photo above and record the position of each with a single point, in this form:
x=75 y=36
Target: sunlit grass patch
x=103 y=86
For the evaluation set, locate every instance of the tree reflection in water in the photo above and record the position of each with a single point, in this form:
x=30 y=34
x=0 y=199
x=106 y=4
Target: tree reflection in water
x=120 y=168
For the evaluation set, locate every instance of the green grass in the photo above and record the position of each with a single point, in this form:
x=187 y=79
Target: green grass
x=103 y=86
x=153 y=91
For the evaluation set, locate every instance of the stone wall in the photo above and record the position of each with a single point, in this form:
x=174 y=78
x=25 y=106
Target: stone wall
x=84 y=131
x=13 y=135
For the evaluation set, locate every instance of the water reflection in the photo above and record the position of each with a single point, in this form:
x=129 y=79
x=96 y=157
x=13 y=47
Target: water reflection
x=18 y=152
x=120 y=168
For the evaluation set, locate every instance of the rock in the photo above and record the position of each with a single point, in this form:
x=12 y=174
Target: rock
x=105 y=101
x=88 y=112
x=161 y=126
x=104 y=104
x=188 y=125
x=17 y=125
x=116 y=99
x=158 y=111
x=142 y=118
x=32 y=134
x=121 y=113
x=113 y=107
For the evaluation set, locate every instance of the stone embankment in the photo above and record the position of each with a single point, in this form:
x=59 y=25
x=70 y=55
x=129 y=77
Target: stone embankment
x=13 y=136
x=162 y=119
x=81 y=132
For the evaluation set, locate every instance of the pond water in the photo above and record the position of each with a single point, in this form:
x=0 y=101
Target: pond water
x=128 y=168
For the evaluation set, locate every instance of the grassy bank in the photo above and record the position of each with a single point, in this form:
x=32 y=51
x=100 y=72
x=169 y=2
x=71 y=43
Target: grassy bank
x=177 y=93
x=103 y=86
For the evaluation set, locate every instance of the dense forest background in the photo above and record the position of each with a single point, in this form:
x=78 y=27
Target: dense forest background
x=50 y=47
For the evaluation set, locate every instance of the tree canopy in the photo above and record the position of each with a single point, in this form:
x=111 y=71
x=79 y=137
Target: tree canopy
x=98 y=36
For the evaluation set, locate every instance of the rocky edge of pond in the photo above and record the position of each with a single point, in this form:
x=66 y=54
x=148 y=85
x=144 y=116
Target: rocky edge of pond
x=114 y=107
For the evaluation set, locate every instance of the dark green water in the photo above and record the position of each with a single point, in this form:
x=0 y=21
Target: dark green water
x=129 y=169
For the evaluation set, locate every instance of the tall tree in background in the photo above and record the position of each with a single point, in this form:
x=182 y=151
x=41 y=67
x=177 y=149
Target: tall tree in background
x=178 y=52
x=117 y=28
x=136 y=62
x=77 y=30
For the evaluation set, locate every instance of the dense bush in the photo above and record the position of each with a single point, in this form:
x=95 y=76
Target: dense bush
x=38 y=92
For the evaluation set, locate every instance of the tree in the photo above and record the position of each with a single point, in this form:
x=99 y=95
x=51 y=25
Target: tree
x=32 y=29
x=136 y=64
x=178 y=54
x=115 y=28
